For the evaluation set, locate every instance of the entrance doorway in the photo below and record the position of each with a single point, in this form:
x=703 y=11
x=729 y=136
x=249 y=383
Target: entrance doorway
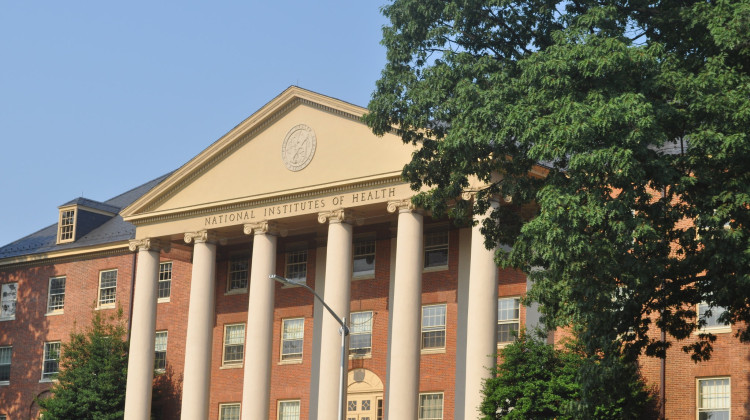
x=364 y=396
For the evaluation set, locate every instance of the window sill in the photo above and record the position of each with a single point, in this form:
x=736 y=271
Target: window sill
x=504 y=345
x=360 y=356
x=162 y=300
x=53 y=313
x=436 y=268
x=107 y=306
x=363 y=277
x=4 y=383
x=235 y=292
x=48 y=381
x=12 y=318
x=433 y=351
x=159 y=371
x=232 y=366
x=291 y=362
x=713 y=330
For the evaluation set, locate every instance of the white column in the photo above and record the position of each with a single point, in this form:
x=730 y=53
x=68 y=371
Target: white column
x=402 y=390
x=259 y=332
x=481 y=335
x=197 y=377
x=337 y=295
x=143 y=332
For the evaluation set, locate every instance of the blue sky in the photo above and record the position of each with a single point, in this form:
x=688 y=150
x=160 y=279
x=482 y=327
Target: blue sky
x=99 y=97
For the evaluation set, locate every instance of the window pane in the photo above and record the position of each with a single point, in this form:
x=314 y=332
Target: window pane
x=292 y=336
x=289 y=410
x=431 y=407
x=433 y=326
x=165 y=280
x=230 y=412
x=296 y=266
x=56 y=298
x=238 y=273
x=9 y=292
x=360 y=333
x=364 y=258
x=160 y=351
x=712 y=319
x=50 y=366
x=5 y=359
x=234 y=343
x=107 y=287
x=436 y=249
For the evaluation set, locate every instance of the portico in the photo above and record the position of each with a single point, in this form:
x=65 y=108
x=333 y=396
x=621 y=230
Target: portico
x=303 y=188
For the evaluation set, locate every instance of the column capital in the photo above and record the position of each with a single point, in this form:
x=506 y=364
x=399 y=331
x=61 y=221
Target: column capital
x=340 y=216
x=264 y=228
x=402 y=206
x=145 y=244
x=201 y=236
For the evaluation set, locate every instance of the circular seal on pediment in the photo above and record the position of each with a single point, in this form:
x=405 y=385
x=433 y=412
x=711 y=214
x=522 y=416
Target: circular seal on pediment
x=298 y=148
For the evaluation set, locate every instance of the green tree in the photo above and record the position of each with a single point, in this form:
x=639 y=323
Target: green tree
x=93 y=373
x=534 y=380
x=638 y=113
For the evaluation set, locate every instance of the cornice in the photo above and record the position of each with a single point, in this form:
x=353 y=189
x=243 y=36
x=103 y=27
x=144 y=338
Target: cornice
x=241 y=204
x=57 y=257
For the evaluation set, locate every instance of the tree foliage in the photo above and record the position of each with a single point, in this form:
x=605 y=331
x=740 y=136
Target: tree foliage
x=534 y=380
x=93 y=373
x=618 y=130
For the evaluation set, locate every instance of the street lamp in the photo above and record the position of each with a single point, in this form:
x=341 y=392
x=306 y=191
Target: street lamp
x=344 y=331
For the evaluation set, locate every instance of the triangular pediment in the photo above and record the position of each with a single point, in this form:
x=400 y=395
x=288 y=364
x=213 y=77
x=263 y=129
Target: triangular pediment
x=299 y=142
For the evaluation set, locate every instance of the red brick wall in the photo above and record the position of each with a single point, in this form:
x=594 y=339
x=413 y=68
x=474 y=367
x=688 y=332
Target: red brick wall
x=31 y=328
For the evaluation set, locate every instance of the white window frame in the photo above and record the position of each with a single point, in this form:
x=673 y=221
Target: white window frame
x=291 y=266
x=165 y=281
x=434 y=328
x=357 y=328
x=231 y=272
x=160 y=348
x=50 y=376
x=107 y=304
x=56 y=309
x=293 y=402
x=434 y=234
x=9 y=363
x=716 y=311
x=361 y=249
x=698 y=400
x=66 y=230
x=508 y=321
x=421 y=405
x=292 y=357
x=224 y=406
x=8 y=301
x=232 y=363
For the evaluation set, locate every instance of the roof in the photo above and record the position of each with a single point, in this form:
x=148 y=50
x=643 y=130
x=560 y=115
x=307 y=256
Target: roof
x=113 y=230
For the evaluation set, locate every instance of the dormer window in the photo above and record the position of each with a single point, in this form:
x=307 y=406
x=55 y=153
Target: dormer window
x=67 y=226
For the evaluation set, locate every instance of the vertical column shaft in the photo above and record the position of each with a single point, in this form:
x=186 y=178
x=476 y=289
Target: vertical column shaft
x=197 y=379
x=143 y=332
x=481 y=337
x=337 y=295
x=403 y=364
x=259 y=336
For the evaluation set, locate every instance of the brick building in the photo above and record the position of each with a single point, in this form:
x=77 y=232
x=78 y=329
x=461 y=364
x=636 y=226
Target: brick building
x=303 y=190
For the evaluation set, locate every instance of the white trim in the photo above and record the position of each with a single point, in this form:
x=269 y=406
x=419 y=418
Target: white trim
x=240 y=362
x=281 y=343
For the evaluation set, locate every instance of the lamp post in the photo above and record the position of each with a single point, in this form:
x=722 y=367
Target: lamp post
x=344 y=331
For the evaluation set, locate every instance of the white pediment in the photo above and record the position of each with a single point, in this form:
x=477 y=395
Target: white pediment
x=253 y=162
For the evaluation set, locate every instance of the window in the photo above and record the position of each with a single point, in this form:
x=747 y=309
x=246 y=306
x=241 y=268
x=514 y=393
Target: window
x=364 y=258
x=431 y=406
x=292 y=337
x=160 y=351
x=5 y=355
x=51 y=364
x=9 y=294
x=238 y=274
x=433 y=326
x=165 y=281
x=713 y=399
x=289 y=410
x=508 y=319
x=436 y=249
x=229 y=411
x=710 y=315
x=56 y=295
x=296 y=266
x=107 y=287
x=67 y=225
x=360 y=333
x=234 y=344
